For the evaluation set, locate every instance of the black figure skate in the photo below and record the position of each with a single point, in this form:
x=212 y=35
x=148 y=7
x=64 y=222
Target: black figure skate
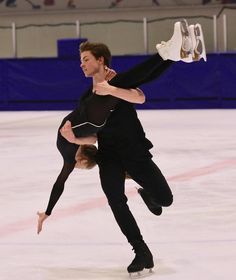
x=143 y=260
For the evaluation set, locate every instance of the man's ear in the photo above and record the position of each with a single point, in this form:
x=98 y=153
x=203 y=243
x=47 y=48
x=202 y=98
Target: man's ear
x=101 y=60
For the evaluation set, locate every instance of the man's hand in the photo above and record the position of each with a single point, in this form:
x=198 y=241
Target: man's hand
x=41 y=218
x=67 y=133
x=109 y=73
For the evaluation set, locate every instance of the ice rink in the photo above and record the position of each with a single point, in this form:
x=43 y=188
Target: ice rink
x=194 y=239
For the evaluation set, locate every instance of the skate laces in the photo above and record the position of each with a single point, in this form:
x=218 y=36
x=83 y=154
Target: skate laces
x=199 y=46
x=186 y=44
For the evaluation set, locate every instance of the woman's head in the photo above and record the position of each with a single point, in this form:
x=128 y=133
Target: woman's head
x=86 y=157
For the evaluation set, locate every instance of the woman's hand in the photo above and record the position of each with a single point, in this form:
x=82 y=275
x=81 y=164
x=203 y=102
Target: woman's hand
x=103 y=88
x=109 y=73
x=41 y=218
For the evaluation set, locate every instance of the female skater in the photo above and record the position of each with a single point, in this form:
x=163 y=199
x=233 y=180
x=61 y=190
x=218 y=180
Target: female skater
x=122 y=142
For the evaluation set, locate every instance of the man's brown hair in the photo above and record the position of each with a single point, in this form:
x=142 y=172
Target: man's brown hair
x=98 y=50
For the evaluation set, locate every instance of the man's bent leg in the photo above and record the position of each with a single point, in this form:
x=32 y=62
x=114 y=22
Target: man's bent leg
x=154 y=190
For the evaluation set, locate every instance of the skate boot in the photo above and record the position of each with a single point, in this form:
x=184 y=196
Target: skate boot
x=149 y=201
x=143 y=259
x=179 y=47
x=199 y=49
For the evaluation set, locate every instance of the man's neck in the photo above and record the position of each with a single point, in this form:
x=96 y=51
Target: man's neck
x=99 y=76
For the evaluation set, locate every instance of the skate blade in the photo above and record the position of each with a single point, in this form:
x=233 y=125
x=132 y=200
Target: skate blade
x=141 y=274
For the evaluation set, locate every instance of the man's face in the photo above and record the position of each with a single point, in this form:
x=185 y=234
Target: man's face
x=89 y=64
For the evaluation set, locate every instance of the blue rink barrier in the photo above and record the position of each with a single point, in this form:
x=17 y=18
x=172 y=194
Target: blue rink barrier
x=58 y=83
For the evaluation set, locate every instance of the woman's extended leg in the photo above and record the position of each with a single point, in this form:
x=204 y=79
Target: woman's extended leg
x=179 y=47
x=142 y=73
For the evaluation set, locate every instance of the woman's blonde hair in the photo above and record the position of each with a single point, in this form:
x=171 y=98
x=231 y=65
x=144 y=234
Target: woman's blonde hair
x=87 y=153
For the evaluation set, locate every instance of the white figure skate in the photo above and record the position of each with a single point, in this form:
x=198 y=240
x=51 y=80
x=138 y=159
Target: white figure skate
x=179 y=47
x=199 y=49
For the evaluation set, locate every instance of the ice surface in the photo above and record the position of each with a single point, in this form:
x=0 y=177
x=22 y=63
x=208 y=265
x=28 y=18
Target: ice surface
x=193 y=239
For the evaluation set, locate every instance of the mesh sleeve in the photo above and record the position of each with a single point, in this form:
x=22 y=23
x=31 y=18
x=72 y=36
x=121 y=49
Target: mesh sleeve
x=58 y=186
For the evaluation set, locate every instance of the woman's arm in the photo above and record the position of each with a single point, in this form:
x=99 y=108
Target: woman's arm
x=130 y=95
x=67 y=133
x=56 y=193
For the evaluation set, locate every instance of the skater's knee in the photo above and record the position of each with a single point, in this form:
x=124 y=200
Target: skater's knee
x=163 y=198
x=168 y=201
